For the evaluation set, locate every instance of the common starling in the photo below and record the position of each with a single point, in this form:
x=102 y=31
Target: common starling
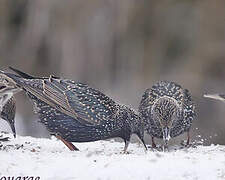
x=75 y=112
x=7 y=107
x=167 y=111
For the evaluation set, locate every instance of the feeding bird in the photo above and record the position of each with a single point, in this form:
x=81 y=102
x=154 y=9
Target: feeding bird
x=167 y=111
x=75 y=112
x=7 y=106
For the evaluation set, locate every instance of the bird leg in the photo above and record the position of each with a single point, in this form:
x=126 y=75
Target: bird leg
x=126 y=146
x=143 y=142
x=153 y=143
x=187 y=144
x=68 y=144
x=188 y=139
x=165 y=147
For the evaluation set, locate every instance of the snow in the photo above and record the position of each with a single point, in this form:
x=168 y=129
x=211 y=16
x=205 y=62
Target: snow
x=49 y=159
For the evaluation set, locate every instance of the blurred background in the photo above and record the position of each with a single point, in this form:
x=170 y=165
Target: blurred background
x=121 y=48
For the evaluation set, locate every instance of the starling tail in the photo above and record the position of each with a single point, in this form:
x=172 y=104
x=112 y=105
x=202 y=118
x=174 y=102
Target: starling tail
x=167 y=111
x=75 y=112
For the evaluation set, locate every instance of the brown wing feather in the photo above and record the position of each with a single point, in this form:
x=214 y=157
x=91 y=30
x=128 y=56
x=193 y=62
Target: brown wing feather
x=86 y=103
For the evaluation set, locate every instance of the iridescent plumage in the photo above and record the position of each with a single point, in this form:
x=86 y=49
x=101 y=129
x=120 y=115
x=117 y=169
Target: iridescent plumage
x=75 y=112
x=167 y=111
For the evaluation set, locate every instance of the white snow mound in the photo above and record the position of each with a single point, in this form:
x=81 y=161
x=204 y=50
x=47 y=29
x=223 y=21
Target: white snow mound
x=50 y=159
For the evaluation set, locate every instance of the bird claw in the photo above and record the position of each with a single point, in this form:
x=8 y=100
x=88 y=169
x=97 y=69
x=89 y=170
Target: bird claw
x=125 y=152
x=158 y=148
x=184 y=144
x=165 y=148
x=154 y=148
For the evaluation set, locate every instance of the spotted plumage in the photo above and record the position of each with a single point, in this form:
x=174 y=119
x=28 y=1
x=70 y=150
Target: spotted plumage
x=7 y=106
x=167 y=111
x=75 y=112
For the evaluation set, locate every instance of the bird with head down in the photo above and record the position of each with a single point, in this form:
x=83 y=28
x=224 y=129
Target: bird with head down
x=75 y=112
x=167 y=111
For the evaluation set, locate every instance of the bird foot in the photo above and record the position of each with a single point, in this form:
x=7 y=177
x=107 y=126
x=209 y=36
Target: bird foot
x=153 y=144
x=153 y=148
x=187 y=145
x=156 y=149
x=125 y=152
x=165 y=148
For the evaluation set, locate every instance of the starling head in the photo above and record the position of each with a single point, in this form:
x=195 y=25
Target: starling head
x=165 y=111
x=131 y=122
x=7 y=107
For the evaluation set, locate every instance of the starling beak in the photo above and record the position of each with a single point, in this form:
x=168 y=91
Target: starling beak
x=167 y=111
x=220 y=97
x=75 y=112
x=166 y=134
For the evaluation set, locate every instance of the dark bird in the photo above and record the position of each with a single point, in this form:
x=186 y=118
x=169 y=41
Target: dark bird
x=75 y=112
x=220 y=97
x=167 y=111
x=7 y=106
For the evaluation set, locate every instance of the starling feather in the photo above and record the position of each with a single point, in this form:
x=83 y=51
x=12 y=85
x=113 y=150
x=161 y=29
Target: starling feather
x=7 y=107
x=75 y=112
x=167 y=111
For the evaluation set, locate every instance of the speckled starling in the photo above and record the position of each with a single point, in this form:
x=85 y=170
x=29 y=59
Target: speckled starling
x=7 y=107
x=75 y=112
x=167 y=111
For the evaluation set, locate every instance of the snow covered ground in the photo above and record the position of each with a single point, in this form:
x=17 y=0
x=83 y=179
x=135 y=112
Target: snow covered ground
x=49 y=159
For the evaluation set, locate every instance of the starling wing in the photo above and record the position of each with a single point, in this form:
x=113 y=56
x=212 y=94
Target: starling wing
x=189 y=104
x=85 y=104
